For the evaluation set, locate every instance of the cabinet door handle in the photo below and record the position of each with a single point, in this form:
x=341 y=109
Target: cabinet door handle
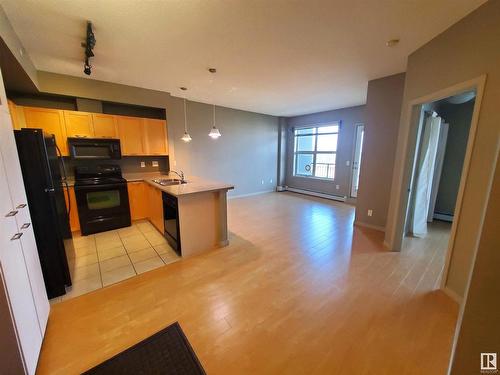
x=16 y=236
x=22 y=205
x=12 y=213
x=25 y=225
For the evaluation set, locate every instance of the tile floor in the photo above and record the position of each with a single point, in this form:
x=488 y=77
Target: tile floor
x=106 y=258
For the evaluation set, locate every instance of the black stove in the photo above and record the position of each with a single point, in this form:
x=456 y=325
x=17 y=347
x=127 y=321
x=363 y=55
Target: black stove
x=102 y=198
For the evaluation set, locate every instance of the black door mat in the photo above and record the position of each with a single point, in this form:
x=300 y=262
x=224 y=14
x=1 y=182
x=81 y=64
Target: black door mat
x=166 y=352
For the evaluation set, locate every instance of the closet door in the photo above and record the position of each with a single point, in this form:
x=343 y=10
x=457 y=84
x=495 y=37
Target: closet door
x=16 y=280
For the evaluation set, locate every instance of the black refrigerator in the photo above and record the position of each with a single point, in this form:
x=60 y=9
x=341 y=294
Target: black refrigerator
x=43 y=173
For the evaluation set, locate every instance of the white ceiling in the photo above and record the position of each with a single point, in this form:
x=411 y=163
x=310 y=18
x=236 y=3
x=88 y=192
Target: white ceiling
x=280 y=57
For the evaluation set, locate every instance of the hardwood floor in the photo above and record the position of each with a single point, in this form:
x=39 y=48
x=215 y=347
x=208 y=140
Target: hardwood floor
x=297 y=291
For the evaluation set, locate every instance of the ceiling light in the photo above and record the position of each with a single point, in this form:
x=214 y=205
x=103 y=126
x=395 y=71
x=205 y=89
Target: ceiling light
x=214 y=132
x=186 y=137
x=392 y=42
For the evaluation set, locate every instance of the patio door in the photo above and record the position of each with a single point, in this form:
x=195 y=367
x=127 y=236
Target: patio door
x=356 y=161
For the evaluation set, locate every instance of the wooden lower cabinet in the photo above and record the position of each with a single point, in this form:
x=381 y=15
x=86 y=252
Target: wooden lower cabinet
x=155 y=207
x=74 y=221
x=138 y=200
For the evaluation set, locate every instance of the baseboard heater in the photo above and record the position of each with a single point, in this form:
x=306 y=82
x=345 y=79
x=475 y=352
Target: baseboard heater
x=315 y=194
x=443 y=217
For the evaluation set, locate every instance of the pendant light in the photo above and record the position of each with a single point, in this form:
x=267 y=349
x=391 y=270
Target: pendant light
x=186 y=137
x=214 y=132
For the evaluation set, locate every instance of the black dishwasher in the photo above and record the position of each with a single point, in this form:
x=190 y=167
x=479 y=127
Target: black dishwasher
x=171 y=218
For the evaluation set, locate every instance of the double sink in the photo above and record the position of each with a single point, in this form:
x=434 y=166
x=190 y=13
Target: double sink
x=169 y=181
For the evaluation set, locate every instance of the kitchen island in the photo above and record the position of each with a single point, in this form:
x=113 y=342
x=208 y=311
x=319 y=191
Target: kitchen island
x=201 y=208
x=196 y=210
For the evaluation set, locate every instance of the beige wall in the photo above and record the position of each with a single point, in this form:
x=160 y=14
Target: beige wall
x=245 y=155
x=348 y=117
x=383 y=109
x=467 y=50
x=10 y=38
x=479 y=331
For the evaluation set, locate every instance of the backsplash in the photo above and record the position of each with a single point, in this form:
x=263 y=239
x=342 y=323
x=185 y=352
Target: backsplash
x=129 y=164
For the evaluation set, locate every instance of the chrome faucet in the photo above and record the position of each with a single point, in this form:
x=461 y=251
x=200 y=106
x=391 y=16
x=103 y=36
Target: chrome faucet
x=181 y=175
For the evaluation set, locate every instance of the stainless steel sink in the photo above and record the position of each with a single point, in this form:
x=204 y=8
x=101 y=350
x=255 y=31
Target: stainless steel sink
x=168 y=181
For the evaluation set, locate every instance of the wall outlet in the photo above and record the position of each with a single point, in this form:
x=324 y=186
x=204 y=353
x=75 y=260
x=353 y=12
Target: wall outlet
x=143 y=164
x=154 y=163
x=370 y=212
x=347 y=162
x=337 y=187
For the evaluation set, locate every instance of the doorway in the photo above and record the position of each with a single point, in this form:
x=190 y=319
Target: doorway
x=442 y=138
x=356 y=160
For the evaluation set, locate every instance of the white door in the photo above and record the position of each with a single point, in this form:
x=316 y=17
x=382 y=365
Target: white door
x=16 y=279
x=356 y=162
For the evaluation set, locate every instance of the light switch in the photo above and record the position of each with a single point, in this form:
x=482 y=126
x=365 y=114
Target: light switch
x=143 y=164
x=370 y=212
x=347 y=162
x=337 y=187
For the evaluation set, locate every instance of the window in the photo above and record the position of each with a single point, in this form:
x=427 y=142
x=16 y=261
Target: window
x=315 y=151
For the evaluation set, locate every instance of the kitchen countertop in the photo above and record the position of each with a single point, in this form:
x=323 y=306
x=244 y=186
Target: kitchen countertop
x=194 y=184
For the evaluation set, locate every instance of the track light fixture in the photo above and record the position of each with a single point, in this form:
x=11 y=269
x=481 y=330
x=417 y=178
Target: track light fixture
x=89 y=45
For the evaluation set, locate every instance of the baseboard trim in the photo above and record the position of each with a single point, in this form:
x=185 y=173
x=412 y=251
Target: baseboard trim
x=450 y=293
x=250 y=194
x=371 y=226
x=315 y=194
x=443 y=217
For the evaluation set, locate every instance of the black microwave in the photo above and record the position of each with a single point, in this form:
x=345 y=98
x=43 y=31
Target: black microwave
x=94 y=148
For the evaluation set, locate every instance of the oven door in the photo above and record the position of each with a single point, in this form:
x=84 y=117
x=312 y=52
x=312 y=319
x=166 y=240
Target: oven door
x=102 y=207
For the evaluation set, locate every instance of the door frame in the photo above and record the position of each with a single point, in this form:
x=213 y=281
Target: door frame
x=356 y=127
x=403 y=172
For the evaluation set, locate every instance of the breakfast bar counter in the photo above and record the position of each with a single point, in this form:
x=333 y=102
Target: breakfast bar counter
x=201 y=211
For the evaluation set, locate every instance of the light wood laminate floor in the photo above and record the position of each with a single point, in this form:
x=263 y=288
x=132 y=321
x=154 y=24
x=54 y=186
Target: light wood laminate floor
x=299 y=290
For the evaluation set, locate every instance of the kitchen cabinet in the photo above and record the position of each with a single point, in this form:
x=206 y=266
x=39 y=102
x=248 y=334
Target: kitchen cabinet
x=138 y=136
x=131 y=130
x=155 y=132
x=20 y=268
x=15 y=115
x=78 y=124
x=70 y=198
x=51 y=121
x=138 y=200
x=105 y=126
x=155 y=211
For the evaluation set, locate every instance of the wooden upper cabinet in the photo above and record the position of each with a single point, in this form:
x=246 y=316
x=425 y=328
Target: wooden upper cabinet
x=156 y=140
x=14 y=115
x=105 y=126
x=131 y=130
x=51 y=121
x=78 y=124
